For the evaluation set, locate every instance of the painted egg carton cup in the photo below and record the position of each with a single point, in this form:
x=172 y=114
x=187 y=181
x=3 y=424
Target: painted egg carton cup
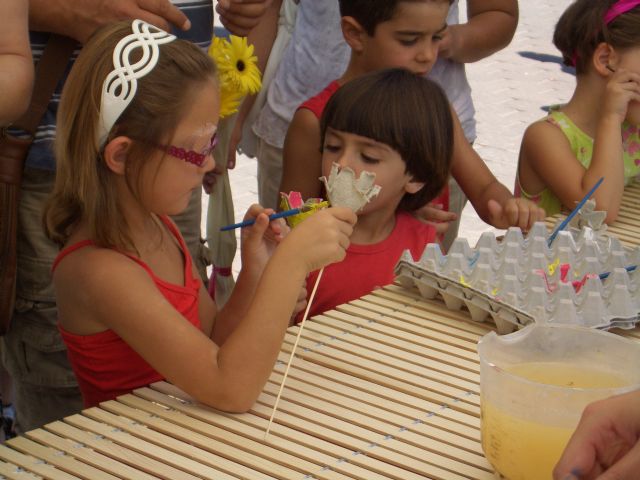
x=583 y=278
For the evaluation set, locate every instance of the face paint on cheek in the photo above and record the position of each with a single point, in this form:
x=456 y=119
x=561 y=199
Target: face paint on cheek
x=205 y=139
x=207 y=130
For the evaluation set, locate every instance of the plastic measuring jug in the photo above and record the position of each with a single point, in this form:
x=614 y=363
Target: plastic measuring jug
x=534 y=385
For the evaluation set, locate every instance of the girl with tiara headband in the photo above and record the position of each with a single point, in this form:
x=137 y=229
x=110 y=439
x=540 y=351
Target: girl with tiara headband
x=136 y=126
x=596 y=134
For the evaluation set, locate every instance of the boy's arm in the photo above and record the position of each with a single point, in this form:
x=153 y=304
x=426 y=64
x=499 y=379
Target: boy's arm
x=261 y=37
x=302 y=159
x=16 y=66
x=491 y=26
x=264 y=34
x=493 y=202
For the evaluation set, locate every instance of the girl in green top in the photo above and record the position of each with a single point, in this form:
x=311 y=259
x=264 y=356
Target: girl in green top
x=596 y=134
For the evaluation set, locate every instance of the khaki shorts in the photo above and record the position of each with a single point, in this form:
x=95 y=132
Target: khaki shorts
x=33 y=351
x=269 y=174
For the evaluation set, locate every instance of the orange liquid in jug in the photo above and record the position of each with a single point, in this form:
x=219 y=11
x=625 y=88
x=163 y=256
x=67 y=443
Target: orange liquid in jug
x=521 y=449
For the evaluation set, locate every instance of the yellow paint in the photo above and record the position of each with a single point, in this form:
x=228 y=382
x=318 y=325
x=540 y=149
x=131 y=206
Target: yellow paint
x=311 y=206
x=521 y=449
x=294 y=220
x=554 y=266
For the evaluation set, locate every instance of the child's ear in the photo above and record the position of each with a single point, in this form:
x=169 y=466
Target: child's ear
x=413 y=186
x=115 y=154
x=604 y=59
x=353 y=33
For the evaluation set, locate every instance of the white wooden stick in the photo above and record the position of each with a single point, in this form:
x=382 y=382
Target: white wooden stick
x=293 y=351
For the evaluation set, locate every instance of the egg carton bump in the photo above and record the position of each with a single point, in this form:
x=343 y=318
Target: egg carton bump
x=585 y=277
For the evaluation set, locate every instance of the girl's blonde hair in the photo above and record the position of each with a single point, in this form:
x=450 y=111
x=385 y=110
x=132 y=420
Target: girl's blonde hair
x=85 y=187
x=582 y=27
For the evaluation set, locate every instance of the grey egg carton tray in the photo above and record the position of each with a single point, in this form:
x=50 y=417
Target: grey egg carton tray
x=520 y=279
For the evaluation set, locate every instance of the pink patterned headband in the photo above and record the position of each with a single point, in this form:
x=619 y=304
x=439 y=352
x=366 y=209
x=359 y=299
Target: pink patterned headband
x=618 y=8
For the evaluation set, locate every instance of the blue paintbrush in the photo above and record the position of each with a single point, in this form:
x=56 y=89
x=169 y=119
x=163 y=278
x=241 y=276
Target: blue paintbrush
x=630 y=268
x=566 y=221
x=273 y=216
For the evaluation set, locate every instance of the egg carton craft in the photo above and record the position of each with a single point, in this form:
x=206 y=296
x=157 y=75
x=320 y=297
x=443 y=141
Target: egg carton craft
x=584 y=278
x=588 y=216
x=346 y=189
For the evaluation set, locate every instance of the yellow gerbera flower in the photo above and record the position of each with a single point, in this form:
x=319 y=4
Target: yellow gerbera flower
x=218 y=51
x=229 y=102
x=245 y=73
x=237 y=69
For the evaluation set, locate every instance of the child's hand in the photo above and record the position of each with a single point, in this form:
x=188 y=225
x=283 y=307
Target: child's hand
x=451 y=42
x=623 y=87
x=322 y=238
x=516 y=212
x=434 y=214
x=606 y=443
x=259 y=241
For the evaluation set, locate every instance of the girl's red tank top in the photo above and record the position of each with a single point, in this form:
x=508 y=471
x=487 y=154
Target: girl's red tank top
x=105 y=366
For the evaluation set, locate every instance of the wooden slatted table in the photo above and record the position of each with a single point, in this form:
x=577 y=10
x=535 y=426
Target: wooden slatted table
x=627 y=225
x=386 y=387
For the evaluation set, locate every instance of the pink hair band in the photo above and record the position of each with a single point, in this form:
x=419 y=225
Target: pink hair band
x=618 y=8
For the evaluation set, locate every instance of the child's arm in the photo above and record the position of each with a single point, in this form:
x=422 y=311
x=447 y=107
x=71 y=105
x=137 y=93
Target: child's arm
x=493 y=202
x=491 y=26
x=546 y=157
x=261 y=37
x=258 y=338
x=302 y=158
x=257 y=247
x=16 y=66
x=546 y=160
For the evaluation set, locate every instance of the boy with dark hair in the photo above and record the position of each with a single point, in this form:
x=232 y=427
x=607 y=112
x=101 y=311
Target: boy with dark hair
x=401 y=33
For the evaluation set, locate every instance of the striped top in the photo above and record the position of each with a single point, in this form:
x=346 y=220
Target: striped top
x=200 y=12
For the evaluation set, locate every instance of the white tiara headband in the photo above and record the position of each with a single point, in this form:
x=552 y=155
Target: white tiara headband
x=121 y=84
